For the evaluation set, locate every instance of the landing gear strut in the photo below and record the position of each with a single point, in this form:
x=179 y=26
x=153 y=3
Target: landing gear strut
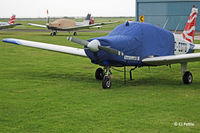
x=130 y=72
x=187 y=76
x=106 y=82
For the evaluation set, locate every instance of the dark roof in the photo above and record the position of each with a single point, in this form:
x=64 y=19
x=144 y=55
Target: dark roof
x=167 y=0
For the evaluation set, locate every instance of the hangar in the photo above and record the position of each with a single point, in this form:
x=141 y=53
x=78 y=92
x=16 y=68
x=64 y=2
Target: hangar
x=171 y=14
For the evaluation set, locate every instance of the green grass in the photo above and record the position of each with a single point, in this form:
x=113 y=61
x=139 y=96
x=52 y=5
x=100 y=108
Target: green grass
x=44 y=91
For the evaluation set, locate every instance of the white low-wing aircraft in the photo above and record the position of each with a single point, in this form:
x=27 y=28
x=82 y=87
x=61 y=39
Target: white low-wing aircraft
x=10 y=24
x=133 y=44
x=70 y=25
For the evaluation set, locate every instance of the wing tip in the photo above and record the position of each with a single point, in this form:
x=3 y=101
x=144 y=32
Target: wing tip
x=10 y=40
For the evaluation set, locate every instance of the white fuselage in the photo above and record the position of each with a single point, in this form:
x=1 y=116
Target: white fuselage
x=84 y=23
x=181 y=45
x=4 y=23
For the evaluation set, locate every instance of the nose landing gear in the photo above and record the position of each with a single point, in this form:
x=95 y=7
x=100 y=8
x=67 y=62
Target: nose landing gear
x=104 y=76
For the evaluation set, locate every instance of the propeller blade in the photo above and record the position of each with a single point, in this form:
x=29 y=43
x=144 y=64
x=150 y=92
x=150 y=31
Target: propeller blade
x=79 y=41
x=110 y=50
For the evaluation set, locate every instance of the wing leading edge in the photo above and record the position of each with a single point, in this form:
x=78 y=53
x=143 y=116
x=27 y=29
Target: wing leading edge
x=8 y=26
x=46 y=46
x=37 y=25
x=173 y=59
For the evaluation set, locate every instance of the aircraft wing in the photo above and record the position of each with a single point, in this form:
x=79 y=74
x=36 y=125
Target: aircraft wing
x=37 y=25
x=105 y=23
x=74 y=28
x=46 y=46
x=82 y=26
x=8 y=26
x=172 y=59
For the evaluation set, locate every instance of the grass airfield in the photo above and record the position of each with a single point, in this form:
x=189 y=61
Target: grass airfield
x=44 y=91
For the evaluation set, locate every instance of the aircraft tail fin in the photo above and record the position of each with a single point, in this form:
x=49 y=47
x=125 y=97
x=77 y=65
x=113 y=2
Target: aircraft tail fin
x=88 y=16
x=88 y=20
x=12 y=20
x=188 y=33
x=91 y=21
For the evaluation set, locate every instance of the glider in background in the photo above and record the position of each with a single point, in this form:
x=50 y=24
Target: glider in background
x=133 y=44
x=10 y=24
x=70 y=25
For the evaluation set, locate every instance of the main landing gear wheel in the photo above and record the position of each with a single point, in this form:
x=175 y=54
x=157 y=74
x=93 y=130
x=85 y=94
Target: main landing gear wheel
x=106 y=83
x=53 y=34
x=99 y=74
x=75 y=33
x=187 y=78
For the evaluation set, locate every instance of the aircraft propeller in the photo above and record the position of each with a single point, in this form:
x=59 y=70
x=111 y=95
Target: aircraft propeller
x=95 y=46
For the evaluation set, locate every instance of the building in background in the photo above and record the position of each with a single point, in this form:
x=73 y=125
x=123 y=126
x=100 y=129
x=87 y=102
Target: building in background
x=171 y=14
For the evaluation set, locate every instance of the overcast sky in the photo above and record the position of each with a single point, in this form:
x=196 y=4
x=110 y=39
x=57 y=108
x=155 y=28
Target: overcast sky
x=37 y=8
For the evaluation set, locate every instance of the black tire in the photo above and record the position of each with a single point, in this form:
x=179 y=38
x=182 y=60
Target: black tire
x=187 y=78
x=75 y=34
x=99 y=74
x=106 y=83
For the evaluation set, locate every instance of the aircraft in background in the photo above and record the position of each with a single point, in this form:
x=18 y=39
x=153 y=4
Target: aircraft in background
x=133 y=44
x=10 y=24
x=70 y=25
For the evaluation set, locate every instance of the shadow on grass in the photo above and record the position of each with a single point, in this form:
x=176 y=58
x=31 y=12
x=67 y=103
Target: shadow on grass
x=7 y=33
x=117 y=83
x=71 y=34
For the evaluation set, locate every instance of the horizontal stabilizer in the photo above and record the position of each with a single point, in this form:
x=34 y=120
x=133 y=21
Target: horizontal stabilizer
x=9 y=26
x=46 y=46
x=196 y=46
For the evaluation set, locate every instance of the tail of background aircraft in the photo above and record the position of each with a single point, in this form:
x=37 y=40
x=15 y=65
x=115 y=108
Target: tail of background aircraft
x=12 y=20
x=88 y=20
x=48 y=18
x=88 y=16
x=188 y=33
